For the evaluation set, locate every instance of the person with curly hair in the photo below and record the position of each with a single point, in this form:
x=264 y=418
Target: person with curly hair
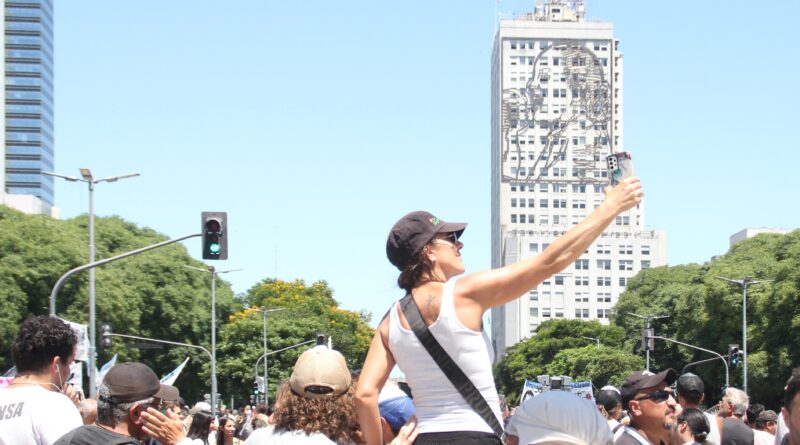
x=37 y=407
x=316 y=406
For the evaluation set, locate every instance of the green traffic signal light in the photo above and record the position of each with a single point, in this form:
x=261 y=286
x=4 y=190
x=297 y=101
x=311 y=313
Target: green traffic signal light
x=214 y=226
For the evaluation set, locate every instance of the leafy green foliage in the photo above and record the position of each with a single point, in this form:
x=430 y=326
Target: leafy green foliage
x=558 y=348
x=707 y=312
x=148 y=295
x=308 y=310
x=604 y=365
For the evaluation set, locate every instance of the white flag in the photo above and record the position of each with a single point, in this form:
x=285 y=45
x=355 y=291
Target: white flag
x=99 y=375
x=170 y=378
x=82 y=350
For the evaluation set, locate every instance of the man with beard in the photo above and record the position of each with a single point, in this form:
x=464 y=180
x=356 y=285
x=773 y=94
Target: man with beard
x=651 y=406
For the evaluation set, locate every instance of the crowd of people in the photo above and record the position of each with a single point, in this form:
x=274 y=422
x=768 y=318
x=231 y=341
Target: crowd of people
x=316 y=405
x=434 y=335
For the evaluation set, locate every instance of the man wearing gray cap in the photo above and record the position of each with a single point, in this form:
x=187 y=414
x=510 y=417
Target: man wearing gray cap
x=691 y=392
x=651 y=405
x=127 y=391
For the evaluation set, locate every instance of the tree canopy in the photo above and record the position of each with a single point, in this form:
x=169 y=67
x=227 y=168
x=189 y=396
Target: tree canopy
x=707 y=312
x=307 y=310
x=149 y=295
x=559 y=349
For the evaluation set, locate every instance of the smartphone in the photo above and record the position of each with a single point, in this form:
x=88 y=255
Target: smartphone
x=620 y=166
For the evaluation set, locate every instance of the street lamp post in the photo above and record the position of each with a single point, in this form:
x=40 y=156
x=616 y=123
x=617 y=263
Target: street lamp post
x=214 y=274
x=744 y=282
x=264 y=312
x=89 y=179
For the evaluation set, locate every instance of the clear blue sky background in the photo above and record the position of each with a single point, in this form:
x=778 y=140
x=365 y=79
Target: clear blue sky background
x=317 y=124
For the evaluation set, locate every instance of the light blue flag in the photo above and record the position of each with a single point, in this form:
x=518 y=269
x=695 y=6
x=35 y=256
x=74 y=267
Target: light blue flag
x=170 y=378
x=99 y=375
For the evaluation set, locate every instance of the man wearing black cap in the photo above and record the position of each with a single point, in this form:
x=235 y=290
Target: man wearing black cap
x=690 y=394
x=651 y=405
x=127 y=391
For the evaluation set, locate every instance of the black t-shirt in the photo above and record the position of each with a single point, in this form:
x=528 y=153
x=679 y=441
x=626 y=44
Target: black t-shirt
x=94 y=435
x=735 y=432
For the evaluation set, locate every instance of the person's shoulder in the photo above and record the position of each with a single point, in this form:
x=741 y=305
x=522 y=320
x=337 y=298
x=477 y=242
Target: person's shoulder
x=629 y=436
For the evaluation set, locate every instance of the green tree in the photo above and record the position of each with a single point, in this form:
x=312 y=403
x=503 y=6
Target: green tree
x=707 y=312
x=149 y=295
x=602 y=365
x=531 y=357
x=308 y=310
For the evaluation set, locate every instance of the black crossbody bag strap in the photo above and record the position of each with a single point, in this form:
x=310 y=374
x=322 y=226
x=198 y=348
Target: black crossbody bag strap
x=456 y=376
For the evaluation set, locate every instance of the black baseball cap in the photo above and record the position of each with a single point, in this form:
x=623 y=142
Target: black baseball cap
x=644 y=379
x=412 y=232
x=131 y=382
x=690 y=384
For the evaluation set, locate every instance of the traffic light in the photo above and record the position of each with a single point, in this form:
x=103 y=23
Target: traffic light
x=648 y=342
x=322 y=339
x=215 y=235
x=105 y=336
x=734 y=355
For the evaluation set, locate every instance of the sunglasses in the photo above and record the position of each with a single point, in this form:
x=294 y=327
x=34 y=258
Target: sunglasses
x=451 y=238
x=657 y=396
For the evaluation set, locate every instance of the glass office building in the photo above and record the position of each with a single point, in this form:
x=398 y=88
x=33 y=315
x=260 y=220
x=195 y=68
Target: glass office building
x=28 y=95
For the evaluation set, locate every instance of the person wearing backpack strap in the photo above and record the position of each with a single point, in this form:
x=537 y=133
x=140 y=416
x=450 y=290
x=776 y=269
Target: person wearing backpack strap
x=427 y=251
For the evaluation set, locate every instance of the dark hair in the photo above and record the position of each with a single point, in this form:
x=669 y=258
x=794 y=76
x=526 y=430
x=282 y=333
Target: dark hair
x=753 y=411
x=608 y=399
x=263 y=408
x=792 y=387
x=697 y=422
x=416 y=273
x=200 y=428
x=39 y=340
x=221 y=433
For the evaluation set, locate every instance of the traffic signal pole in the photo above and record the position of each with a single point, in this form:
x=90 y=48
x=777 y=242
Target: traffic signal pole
x=214 y=272
x=744 y=282
x=92 y=265
x=725 y=362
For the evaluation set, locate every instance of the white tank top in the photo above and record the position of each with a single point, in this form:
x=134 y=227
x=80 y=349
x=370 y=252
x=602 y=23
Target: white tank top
x=439 y=406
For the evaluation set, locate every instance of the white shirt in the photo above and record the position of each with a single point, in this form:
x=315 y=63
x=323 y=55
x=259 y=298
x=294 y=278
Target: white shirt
x=32 y=415
x=264 y=436
x=714 y=437
x=762 y=438
x=439 y=406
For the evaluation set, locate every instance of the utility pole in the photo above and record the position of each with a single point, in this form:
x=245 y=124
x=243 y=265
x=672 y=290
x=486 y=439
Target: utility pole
x=214 y=274
x=648 y=318
x=264 y=312
x=87 y=177
x=744 y=282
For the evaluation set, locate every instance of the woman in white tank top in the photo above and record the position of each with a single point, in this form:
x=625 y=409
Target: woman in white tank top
x=427 y=252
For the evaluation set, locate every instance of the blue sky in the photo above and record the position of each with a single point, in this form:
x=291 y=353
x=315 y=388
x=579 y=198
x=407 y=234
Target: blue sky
x=316 y=125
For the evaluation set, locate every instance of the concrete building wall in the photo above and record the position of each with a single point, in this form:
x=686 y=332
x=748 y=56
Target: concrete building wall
x=556 y=114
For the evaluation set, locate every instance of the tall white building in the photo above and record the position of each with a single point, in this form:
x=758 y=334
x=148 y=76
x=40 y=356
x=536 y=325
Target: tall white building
x=556 y=114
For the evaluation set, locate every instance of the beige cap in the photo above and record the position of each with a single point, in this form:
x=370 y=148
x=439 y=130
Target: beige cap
x=320 y=372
